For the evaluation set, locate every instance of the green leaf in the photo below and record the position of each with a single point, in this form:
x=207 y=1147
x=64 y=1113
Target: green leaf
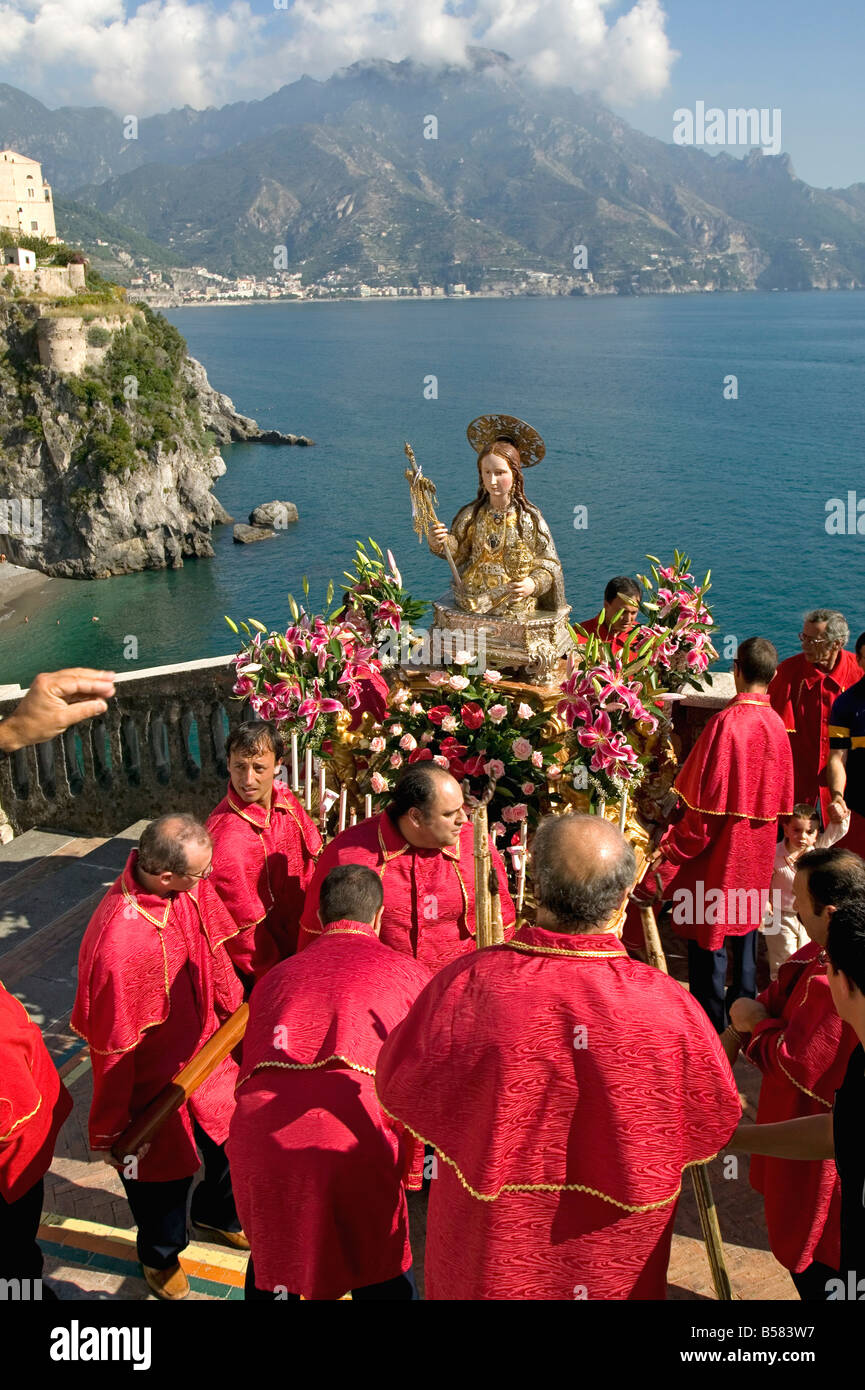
x=231 y=624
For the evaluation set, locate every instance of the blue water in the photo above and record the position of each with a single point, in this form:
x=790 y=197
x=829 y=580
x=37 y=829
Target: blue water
x=628 y=394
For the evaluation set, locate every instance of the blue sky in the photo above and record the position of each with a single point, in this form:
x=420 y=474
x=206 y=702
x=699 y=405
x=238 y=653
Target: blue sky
x=646 y=57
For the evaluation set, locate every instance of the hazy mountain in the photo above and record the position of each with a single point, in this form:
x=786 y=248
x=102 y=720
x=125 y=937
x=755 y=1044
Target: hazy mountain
x=339 y=172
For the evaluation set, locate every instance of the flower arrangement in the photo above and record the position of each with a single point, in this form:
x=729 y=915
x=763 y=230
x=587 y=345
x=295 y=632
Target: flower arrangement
x=608 y=717
x=678 y=626
x=486 y=738
x=375 y=602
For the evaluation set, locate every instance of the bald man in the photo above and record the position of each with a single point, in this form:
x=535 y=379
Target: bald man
x=422 y=848
x=565 y=1087
x=154 y=983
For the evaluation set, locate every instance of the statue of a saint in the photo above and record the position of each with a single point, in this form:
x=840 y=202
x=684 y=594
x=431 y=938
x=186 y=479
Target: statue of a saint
x=500 y=543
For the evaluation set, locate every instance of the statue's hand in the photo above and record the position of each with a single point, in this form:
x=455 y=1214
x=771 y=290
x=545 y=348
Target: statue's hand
x=521 y=588
x=440 y=535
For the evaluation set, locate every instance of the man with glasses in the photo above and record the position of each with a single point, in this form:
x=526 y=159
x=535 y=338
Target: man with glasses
x=154 y=983
x=803 y=692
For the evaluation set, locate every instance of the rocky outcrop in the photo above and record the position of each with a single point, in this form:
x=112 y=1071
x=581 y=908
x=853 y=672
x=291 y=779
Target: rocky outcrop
x=247 y=535
x=220 y=417
x=275 y=514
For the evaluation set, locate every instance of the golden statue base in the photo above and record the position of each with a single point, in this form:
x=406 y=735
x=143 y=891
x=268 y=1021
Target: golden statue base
x=534 y=644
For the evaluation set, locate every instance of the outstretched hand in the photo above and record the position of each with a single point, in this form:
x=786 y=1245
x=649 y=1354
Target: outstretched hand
x=54 y=702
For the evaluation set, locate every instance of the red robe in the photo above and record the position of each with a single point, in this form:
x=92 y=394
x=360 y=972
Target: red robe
x=154 y=983
x=262 y=865
x=802 y=1050
x=735 y=783
x=564 y=1088
x=318 y=1171
x=803 y=696
x=429 y=894
x=33 y=1101
x=616 y=639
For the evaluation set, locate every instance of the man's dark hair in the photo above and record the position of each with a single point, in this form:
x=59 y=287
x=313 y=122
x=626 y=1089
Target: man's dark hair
x=845 y=941
x=626 y=586
x=416 y=788
x=164 y=842
x=350 y=891
x=578 y=904
x=255 y=736
x=860 y=642
x=835 y=876
x=757 y=659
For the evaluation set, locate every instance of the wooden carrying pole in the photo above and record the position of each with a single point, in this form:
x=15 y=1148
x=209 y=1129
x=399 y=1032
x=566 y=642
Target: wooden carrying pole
x=483 y=865
x=699 y=1176
x=187 y=1080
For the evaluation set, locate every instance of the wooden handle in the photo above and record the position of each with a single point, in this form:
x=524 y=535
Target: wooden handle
x=178 y=1091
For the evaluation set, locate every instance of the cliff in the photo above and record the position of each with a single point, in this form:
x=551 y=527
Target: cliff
x=109 y=435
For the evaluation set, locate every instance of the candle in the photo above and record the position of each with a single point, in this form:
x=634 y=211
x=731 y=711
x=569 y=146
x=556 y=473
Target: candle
x=343 y=807
x=352 y=820
x=295 y=770
x=521 y=880
x=367 y=806
x=307 y=780
x=623 y=810
x=602 y=806
x=322 y=801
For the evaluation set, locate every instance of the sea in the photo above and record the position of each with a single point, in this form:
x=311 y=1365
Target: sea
x=727 y=426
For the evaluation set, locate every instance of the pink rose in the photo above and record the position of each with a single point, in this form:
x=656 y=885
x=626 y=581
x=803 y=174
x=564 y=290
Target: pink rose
x=537 y=758
x=408 y=743
x=458 y=682
x=396 y=759
x=437 y=677
x=427 y=737
x=554 y=772
x=396 y=730
x=528 y=788
x=499 y=828
x=524 y=711
x=491 y=678
x=399 y=698
x=520 y=811
x=449 y=723
x=495 y=768
x=441 y=762
x=497 y=713
x=521 y=748
x=378 y=783
x=377 y=744
x=416 y=707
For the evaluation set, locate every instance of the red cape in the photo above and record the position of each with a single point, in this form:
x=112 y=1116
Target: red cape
x=802 y=1049
x=560 y=1151
x=803 y=696
x=429 y=895
x=154 y=983
x=33 y=1101
x=318 y=1171
x=719 y=856
x=262 y=865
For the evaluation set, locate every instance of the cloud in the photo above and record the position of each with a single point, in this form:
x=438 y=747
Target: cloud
x=166 y=53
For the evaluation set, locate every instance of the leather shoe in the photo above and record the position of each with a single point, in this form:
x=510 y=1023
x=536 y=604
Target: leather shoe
x=236 y=1239
x=170 y=1284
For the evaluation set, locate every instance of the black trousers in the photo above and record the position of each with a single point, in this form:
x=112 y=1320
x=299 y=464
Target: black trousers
x=402 y=1287
x=20 y=1255
x=159 y=1208
x=811 y=1282
x=707 y=975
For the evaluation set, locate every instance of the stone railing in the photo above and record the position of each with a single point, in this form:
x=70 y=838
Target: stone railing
x=160 y=747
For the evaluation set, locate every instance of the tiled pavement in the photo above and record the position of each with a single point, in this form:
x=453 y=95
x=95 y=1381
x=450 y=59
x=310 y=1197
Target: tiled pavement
x=87 y=1231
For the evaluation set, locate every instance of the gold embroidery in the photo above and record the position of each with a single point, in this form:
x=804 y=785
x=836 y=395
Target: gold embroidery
x=543 y=1186
x=22 y=1121
x=310 y=1066
x=799 y=1087
x=560 y=951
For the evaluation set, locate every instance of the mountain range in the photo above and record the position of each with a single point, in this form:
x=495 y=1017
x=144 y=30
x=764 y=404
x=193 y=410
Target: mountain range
x=342 y=175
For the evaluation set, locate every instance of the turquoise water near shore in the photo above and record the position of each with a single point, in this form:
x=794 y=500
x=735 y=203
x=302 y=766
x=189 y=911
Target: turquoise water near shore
x=628 y=394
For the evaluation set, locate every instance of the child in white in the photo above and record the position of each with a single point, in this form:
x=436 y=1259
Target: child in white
x=783 y=931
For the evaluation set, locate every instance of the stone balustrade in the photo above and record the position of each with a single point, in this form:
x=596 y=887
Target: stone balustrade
x=161 y=747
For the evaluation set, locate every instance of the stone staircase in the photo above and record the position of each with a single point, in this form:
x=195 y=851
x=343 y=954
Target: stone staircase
x=50 y=884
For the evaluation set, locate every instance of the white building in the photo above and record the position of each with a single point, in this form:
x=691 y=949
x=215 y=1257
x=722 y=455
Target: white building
x=16 y=255
x=26 y=204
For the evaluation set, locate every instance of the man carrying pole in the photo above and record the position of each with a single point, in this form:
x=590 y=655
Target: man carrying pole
x=565 y=1088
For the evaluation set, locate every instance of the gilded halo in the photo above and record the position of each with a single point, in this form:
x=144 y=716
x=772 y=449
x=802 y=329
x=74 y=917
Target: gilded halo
x=486 y=429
